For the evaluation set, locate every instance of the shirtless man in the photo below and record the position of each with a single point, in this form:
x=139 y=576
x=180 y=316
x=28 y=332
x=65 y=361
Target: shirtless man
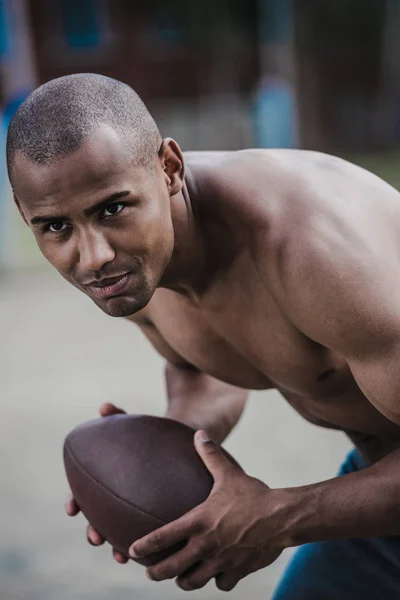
x=247 y=270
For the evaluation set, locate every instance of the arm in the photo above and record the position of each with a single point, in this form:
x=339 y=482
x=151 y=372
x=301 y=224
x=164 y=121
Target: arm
x=362 y=504
x=347 y=299
x=202 y=401
x=195 y=398
x=332 y=296
x=358 y=505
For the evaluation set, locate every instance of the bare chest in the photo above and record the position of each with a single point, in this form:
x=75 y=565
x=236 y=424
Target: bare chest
x=240 y=335
x=260 y=349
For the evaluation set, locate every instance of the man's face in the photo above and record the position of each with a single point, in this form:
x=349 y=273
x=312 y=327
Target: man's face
x=103 y=222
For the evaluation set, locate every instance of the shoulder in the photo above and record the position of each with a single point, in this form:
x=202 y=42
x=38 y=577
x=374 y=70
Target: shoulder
x=289 y=185
x=328 y=213
x=335 y=277
x=273 y=172
x=235 y=187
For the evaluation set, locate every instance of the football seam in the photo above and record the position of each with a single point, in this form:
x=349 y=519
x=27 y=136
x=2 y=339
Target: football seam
x=144 y=512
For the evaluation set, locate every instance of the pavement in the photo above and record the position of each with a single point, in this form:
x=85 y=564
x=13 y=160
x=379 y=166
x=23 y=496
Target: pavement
x=60 y=358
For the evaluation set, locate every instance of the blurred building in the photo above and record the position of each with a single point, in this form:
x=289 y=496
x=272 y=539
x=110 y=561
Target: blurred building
x=348 y=74
x=176 y=56
x=220 y=74
x=334 y=64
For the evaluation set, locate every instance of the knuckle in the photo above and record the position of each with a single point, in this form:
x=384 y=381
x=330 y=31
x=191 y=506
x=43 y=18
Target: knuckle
x=162 y=572
x=202 y=545
x=201 y=524
x=207 y=548
x=228 y=565
x=165 y=574
x=190 y=583
x=210 y=448
x=152 y=573
x=225 y=585
x=155 y=539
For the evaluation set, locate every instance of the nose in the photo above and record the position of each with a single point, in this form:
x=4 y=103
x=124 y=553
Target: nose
x=95 y=251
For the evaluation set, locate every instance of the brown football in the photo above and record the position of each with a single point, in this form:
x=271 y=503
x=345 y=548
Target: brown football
x=132 y=474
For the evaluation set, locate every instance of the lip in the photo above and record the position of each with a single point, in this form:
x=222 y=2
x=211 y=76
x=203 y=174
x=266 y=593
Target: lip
x=108 y=290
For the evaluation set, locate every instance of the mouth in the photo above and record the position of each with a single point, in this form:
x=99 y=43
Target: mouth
x=110 y=286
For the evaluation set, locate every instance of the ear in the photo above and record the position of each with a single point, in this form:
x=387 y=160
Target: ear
x=21 y=212
x=172 y=164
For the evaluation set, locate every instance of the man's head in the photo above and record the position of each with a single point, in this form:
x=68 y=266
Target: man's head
x=92 y=179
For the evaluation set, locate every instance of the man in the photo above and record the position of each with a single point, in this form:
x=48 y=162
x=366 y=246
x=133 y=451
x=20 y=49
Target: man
x=246 y=270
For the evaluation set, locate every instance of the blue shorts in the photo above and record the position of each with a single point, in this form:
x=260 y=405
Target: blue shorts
x=359 y=569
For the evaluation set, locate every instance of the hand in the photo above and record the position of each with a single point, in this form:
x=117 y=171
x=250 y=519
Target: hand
x=239 y=529
x=72 y=508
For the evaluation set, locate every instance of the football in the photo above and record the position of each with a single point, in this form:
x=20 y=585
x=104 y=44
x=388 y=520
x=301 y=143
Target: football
x=131 y=474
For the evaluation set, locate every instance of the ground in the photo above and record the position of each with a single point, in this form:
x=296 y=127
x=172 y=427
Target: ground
x=61 y=357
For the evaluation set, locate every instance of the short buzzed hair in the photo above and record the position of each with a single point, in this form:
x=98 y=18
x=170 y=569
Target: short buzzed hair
x=56 y=117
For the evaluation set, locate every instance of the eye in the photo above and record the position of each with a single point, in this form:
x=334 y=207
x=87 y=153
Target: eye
x=57 y=226
x=114 y=209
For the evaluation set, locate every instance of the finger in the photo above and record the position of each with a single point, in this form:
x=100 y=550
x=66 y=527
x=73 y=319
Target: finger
x=227 y=581
x=119 y=557
x=93 y=536
x=212 y=455
x=107 y=409
x=180 y=562
x=165 y=536
x=72 y=507
x=198 y=576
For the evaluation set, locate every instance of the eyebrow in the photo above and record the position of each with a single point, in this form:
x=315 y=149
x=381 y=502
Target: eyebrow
x=87 y=212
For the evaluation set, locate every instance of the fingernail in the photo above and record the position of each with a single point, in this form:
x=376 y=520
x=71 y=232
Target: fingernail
x=132 y=553
x=204 y=437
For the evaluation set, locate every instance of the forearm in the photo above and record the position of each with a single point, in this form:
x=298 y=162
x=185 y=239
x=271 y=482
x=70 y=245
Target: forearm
x=358 y=505
x=203 y=402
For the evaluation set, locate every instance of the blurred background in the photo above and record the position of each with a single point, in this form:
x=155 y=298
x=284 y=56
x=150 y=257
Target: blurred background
x=216 y=75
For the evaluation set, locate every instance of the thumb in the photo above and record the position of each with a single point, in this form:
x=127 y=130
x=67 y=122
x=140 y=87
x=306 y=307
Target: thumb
x=212 y=455
x=107 y=409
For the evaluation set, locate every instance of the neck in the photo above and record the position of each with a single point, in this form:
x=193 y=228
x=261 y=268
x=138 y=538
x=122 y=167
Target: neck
x=187 y=270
